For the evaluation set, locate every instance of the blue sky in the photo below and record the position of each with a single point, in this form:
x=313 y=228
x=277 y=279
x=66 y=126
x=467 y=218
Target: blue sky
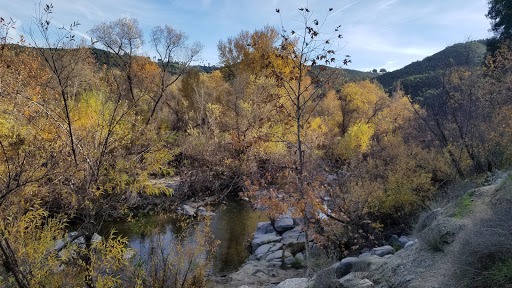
x=377 y=33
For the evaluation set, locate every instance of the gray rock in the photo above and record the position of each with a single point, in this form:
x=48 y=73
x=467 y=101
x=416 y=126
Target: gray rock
x=344 y=267
x=278 y=255
x=294 y=283
x=293 y=236
x=277 y=246
x=187 y=210
x=263 y=249
x=410 y=244
x=262 y=239
x=284 y=224
x=394 y=241
x=264 y=228
x=201 y=211
x=365 y=255
x=289 y=260
x=299 y=257
x=350 y=282
x=96 y=238
x=403 y=240
x=383 y=251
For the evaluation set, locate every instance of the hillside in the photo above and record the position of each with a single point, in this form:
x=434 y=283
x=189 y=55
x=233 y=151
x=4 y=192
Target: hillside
x=426 y=74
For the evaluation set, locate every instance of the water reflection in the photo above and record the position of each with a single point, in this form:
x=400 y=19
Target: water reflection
x=233 y=225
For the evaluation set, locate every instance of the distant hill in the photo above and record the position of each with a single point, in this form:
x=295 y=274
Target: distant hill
x=424 y=75
x=356 y=75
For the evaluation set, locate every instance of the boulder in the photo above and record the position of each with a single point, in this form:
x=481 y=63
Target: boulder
x=294 y=240
x=187 y=210
x=278 y=255
x=96 y=238
x=263 y=249
x=403 y=240
x=410 y=244
x=294 y=283
x=289 y=260
x=284 y=224
x=201 y=211
x=264 y=228
x=277 y=246
x=365 y=255
x=344 y=267
x=394 y=241
x=350 y=282
x=383 y=251
x=293 y=236
x=262 y=239
x=299 y=257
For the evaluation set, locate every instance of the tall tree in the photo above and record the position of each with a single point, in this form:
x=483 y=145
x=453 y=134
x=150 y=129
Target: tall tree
x=500 y=13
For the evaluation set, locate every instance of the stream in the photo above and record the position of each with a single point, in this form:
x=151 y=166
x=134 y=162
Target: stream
x=233 y=224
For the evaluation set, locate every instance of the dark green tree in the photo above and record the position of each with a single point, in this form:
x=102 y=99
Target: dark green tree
x=500 y=14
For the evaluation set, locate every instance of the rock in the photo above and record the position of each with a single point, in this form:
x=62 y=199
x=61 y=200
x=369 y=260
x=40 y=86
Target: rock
x=394 y=241
x=410 y=244
x=128 y=254
x=350 y=282
x=293 y=236
x=294 y=240
x=263 y=249
x=403 y=240
x=264 y=228
x=201 y=211
x=96 y=238
x=294 y=283
x=365 y=255
x=278 y=255
x=344 y=267
x=284 y=224
x=427 y=220
x=289 y=260
x=262 y=239
x=277 y=246
x=299 y=257
x=187 y=210
x=383 y=251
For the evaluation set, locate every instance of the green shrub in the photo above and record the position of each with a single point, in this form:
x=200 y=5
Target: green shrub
x=464 y=204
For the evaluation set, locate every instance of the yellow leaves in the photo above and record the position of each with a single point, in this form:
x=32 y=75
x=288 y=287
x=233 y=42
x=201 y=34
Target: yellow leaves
x=357 y=140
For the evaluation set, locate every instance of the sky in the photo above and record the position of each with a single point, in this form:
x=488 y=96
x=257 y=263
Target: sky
x=377 y=34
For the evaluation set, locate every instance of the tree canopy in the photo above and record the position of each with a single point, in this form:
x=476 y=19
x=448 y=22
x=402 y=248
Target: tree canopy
x=500 y=13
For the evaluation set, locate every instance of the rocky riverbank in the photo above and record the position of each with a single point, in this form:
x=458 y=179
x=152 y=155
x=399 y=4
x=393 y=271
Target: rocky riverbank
x=444 y=238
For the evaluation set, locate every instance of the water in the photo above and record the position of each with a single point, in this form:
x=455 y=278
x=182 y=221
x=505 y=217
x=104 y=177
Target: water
x=233 y=224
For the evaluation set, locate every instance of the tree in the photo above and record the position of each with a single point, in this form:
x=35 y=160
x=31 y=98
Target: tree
x=301 y=50
x=382 y=70
x=171 y=47
x=500 y=13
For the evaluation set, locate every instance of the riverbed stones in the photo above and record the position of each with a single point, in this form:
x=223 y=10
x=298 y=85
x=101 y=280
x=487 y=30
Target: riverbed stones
x=264 y=228
x=293 y=283
x=410 y=243
x=383 y=251
x=263 y=249
x=284 y=224
x=187 y=210
x=403 y=240
x=278 y=255
x=262 y=239
x=344 y=267
x=350 y=281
